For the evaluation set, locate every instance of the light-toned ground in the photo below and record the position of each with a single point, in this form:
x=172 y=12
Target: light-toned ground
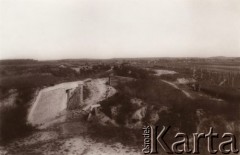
x=185 y=81
x=160 y=72
x=90 y=147
x=50 y=143
x=98 y=92
x=10 y=100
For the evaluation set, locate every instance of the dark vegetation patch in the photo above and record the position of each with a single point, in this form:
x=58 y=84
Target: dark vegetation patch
x=13 y=119
x=125 y=111
x=229 y=94
x=111 y=134
x=153 y=91
x=131 y=71
x=155 y=94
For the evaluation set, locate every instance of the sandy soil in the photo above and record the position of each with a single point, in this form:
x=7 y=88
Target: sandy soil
x=9 y=101
x=50 y=143
x=98 y=92
x=90 y=147
x=160 y=72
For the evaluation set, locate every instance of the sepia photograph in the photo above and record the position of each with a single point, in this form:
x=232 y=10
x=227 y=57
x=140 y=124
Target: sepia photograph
x=119 y=77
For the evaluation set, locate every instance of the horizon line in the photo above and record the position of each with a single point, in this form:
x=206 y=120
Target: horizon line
x=120 y=58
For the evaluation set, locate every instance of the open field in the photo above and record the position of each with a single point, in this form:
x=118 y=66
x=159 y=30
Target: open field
x=120 y=96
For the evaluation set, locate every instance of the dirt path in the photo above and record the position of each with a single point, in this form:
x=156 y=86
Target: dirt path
x=187 y=94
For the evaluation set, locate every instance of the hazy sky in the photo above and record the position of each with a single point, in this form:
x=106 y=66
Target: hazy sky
x=56 y=29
